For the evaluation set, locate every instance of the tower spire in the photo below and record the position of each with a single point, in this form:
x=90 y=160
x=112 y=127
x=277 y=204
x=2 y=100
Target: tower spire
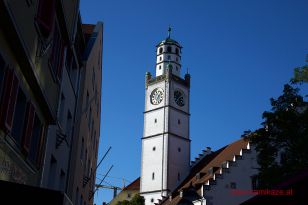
x=169 y=31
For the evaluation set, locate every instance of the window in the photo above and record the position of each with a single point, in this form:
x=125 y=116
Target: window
x=177 y=51
x=68 y=125
x=57 y=54
x=62 y=180
x=152 y=200
x=153 y=176
x=177 y=68
x=45 y=16
x=128 y=195
x=254 y=182
x=77 y=196
x=155 y=121
x=82 y=148
x=233 y=185
x=179 y=149
x=35 y=139
x=169 y=57
x=8 y=100
x=2 y=70
x=52 y=172
x=61 y=110
x=21 y=116
x=177 y=59
x=154 y=148
x=159 y=67
x=160 y=50
x=87 y=100
x=169 y=49
x=160 y=58
x=179 y=121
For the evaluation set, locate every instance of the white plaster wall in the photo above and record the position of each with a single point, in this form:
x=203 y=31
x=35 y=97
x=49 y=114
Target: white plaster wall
x=241 y=175
x=151 y=162
x=149 y=196
x=181 y=129
x=178 y=161
x=150 y=127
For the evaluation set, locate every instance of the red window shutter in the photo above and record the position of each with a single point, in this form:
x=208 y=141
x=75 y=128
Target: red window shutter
x=8 y=100
x=5 y=98
x=45 y=16
x=40 y=153
x=29 y=122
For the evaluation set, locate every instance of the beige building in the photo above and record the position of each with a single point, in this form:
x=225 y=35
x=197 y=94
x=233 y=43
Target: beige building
x=127 y=192
x=50 y=88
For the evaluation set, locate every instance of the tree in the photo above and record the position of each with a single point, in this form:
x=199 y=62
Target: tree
x=301 y=74
x=282 y=142
x=136 y=200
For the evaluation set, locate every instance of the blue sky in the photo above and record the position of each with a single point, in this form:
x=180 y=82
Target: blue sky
x=239 y=53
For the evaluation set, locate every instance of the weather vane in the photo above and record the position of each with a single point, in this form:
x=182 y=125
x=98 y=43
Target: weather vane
x=169 y=31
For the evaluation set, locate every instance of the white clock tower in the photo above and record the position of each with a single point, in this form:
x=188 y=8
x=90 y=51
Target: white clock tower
x=165 y=142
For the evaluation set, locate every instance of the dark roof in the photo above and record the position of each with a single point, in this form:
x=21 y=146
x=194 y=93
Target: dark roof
x=135 y=185
x=87 y=28
x=169 y=41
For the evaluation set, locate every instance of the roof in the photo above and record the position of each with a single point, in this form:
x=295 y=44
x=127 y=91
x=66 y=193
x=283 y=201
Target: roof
x=135 y=185
x=206 y=167
x=87 y=28
x=170 y=41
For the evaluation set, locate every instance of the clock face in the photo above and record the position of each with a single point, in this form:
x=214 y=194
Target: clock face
x=179 y=98
x=157 y=96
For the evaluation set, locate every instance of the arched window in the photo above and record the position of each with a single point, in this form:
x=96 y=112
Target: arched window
x=153 y=176
x=169 y=49
x=177 y=51
x=159 y=67
x=160 y=50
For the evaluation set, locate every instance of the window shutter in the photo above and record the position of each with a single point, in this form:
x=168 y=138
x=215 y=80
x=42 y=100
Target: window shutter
x=40 y=152
x=45 y=16
x=5 y=96
x=8 y=101
x=30 y=115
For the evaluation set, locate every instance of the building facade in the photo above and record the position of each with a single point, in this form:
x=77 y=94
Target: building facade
x=50 y=67
x=87 y=129
x=165 y=142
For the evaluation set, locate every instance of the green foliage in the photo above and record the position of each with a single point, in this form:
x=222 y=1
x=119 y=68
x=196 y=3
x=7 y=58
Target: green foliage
x=284 y=136
x=300 y=75
x=136 y=200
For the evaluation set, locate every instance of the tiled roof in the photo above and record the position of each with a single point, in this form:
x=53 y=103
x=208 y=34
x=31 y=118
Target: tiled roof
x=206 y=168
x=135 y=185
x=87 y=28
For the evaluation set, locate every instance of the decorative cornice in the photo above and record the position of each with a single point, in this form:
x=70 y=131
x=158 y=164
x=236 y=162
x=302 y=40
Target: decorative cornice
x=169 y=133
